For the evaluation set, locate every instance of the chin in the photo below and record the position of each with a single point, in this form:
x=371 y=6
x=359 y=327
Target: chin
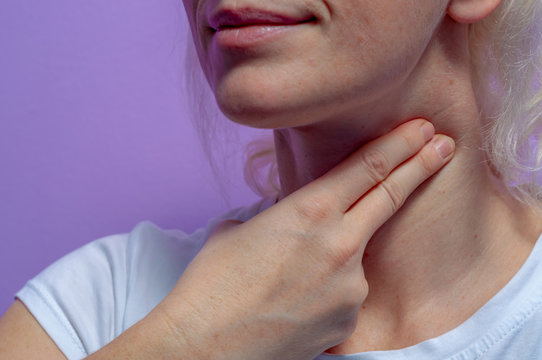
x=255 y=108
x=268 y=107
x=256 y=116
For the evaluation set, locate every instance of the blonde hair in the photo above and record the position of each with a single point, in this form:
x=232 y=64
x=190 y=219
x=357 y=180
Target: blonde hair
x=506 y=62
x=506 y=58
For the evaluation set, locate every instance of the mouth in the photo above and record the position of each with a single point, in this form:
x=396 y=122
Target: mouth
x=244 y=28
x=228 y=19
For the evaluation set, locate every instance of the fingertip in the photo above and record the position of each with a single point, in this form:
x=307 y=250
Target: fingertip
x=428 y=130
x=444 y=145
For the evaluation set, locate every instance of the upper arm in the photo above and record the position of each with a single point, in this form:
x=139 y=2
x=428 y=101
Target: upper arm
x=22 y=337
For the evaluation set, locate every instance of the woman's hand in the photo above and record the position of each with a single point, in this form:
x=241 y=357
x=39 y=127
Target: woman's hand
x=288 y=284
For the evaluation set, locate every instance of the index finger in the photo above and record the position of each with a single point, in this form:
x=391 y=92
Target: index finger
x=347 y=182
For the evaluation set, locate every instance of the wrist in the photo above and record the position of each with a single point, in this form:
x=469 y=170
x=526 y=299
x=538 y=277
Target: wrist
x=153 y=337
x=176 y=334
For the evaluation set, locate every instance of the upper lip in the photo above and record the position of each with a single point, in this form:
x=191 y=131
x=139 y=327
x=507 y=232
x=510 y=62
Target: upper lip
x=225 y=18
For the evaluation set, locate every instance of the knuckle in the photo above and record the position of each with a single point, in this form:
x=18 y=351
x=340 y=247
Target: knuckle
x=313 y=210
x=376 y=164
x=411 y=143
x=341 y=253
x=394 y=193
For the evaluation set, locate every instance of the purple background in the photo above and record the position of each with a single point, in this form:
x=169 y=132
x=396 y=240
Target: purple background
x=94 y=130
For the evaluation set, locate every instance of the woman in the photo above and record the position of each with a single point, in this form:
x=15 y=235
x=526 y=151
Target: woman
x=343 y=262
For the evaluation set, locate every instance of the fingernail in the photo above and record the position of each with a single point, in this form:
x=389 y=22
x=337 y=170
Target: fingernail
x=428 y=131
x=444 y=146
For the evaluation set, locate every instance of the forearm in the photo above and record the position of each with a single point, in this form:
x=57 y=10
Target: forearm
x=154 y=337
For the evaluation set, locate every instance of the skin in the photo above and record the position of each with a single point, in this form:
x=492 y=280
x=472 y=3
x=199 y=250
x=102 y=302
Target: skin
x=333 y=91
x=247 y=295
x=360 y=70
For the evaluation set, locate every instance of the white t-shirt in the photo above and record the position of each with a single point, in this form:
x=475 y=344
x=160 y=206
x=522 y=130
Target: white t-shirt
x=92 y=295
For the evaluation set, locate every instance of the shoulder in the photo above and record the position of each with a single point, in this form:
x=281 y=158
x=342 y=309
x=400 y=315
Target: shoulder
x=90 y=296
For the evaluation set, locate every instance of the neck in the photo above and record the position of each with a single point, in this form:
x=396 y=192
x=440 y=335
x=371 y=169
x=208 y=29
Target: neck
x=450 y=235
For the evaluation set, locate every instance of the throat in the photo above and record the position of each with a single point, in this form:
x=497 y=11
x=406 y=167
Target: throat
x=410 y=302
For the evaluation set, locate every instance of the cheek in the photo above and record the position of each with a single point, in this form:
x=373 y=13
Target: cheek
x=371 y=47
x=379 y=42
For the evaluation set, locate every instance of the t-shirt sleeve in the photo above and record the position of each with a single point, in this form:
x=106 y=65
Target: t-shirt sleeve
x=90 y=296
x=79 y=299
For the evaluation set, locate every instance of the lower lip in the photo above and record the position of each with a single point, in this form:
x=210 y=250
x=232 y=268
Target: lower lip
x=247 y=36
